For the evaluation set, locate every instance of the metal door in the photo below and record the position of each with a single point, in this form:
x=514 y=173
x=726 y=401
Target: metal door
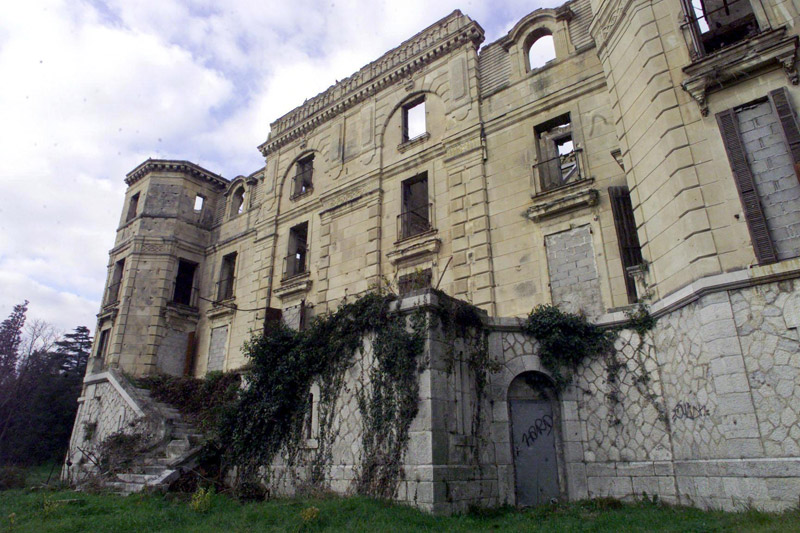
x=534 y=447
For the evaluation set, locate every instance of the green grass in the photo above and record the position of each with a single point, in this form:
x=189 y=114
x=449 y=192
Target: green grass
x=47 y=510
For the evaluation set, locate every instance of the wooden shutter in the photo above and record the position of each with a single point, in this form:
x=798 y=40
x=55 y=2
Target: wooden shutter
x=791 y=131
x=756 y=221
x=630 y=251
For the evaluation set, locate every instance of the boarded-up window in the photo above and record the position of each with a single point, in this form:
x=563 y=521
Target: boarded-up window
x=216 y=349
x=630 y=251
x=415 y=281
x=763 y=146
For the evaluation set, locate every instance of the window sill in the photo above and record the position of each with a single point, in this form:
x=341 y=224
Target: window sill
x=410 y=143
x=731 y=64
x=561 y=189
x=183 y=310
x=423 y=244
x=563 y=204
x=301 y=195
x=222 y=308
x=294 y=285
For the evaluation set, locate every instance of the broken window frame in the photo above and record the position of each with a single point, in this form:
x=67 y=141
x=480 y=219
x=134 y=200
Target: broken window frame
x=703 y=43
x=227 y=277
x=416 y=211
x=553 y=169
x=407 y=112
x=184 y=292
x=102 y=343
x=133 y=207
x=296 y=260
x=303 y=181
x=115 y=284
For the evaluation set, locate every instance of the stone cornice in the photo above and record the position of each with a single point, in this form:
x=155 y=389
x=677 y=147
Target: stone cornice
x=169 y=165
x=430 y=44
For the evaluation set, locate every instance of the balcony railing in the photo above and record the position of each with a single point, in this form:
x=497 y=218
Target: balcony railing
x=295 y=264
x=302 y=183
x=414 y=221
x=112 y=293
x=713 y=29
x=559 y=171
x=225 y=288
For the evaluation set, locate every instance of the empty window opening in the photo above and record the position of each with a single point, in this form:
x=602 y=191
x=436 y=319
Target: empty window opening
x=420 y=280
x=226 y=277
x=303 y=179
x=198 y=203
x=102 y=343
x=414 y=120
x=237 y=202
x=558 y=161
x=715 y=24
x=541 y=52
x=112 y=296
x=629 y=249
x=133 y=207
x=295 y=262
x=415 y=216
x=184 y=283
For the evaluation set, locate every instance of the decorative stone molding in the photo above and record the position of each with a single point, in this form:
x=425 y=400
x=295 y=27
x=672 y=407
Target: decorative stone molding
x=398 y=64
x=735 y=62
x=293 y=286
x=168 y=165
x=563 y=203
x=414 y=249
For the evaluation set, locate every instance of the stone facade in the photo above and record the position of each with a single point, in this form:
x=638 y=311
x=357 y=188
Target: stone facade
x=502 y=199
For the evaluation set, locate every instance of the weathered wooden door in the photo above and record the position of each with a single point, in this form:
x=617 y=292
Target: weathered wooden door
x=533 y=434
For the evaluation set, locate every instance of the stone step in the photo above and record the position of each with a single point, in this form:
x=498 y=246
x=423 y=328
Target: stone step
x=139 y=478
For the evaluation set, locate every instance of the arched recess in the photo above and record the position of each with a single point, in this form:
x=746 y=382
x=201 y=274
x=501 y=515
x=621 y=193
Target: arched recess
x=539 y=47
x=536 y=442
x=532 y=28
x=236 y=197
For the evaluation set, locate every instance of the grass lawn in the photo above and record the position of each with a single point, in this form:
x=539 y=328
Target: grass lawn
x=43 y=510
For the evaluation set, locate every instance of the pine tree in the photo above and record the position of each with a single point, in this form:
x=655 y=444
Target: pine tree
x=10 y=339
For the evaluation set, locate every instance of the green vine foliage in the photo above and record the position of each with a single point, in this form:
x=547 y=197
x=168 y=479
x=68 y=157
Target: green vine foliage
x=565 y=340
x=269 y=415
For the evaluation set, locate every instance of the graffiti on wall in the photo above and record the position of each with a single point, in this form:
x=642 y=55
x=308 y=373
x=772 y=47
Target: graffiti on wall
x=689 y=411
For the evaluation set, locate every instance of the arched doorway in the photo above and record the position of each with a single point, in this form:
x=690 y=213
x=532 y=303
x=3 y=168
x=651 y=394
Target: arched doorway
x=533 y=407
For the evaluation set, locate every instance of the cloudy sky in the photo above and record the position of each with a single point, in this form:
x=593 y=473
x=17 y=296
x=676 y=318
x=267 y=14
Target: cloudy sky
x=91 y=88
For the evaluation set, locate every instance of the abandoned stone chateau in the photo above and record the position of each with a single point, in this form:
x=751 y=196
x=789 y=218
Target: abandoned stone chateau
x=654 y=157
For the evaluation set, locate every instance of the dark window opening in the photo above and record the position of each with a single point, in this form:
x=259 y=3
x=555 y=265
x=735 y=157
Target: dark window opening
x=715 y=24
x=303 y=179
x=414 y=120
x=102 y=343
x=558 y=160
x=415 y=281
x=308 y=423
x=184 y=283
x=415 y=215
x=630 y=251
x=295 y=262
x=226 y=277
x=112 y=296
x=133 y=207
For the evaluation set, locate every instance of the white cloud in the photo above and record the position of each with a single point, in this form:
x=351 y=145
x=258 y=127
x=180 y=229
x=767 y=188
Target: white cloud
x=93 y=88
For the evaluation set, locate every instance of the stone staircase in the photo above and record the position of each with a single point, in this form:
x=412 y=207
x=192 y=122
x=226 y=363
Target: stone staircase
x=175 y=454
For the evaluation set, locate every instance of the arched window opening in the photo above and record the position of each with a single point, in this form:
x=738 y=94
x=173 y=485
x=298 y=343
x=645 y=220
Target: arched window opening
x=541 y=51
x=237 y=202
